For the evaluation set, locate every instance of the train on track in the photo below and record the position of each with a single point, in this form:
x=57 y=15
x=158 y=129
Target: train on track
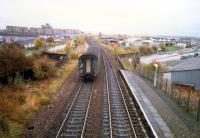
x=89 y=62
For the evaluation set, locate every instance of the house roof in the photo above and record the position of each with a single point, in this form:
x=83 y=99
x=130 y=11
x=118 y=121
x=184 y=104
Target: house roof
x=185 y=65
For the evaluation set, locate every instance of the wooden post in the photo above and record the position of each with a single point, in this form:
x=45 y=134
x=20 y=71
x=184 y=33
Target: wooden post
x=139 y=70
x=157 y=81
x=161 y=81
x=179 y=97
x=146 y=72
x=198 y=110
x=166 y=86
x=188 y=102
x=172 y=90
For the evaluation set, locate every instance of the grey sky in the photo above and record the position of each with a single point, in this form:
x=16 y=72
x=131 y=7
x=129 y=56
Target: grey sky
x=157 y=17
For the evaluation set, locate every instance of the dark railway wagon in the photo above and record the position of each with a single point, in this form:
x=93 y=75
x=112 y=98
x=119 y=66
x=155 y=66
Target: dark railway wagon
x=89 y=63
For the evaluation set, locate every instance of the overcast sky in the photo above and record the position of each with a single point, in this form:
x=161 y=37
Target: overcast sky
x=154 y=17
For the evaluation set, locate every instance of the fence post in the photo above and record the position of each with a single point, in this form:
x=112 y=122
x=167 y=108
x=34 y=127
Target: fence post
x=157 y=83
x=139 y=70
x=198 y=110
x=188 y=102
x=172 y=90
x=146 y=74
x=161 y=81
x=179 y=97
x=166 y=86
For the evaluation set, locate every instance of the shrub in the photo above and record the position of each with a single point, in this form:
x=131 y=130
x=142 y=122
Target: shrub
x=79 y=40
x=19 y=82
x=118 y=49
x=69 y=47
x=22 y=99
x=73 y=55
x=146 y=50
x=4 y=125
x=38 y=42
x=13 y=60
x=44 y=100
x=43 y=69
x=36 y=54
x=150 y=67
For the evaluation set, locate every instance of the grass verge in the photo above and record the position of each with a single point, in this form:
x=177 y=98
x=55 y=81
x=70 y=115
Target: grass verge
x=17 y=106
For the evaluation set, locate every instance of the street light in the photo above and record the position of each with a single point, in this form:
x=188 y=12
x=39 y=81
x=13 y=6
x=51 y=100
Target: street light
x=155 y=76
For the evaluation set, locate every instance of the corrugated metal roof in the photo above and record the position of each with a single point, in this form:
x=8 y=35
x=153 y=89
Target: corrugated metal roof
x=187 y=64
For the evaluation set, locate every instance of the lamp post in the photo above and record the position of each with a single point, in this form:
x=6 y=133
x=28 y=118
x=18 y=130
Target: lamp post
x=155 y=76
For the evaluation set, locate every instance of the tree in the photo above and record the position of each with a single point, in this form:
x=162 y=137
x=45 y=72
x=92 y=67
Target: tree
x=146 y=50
x=38 y=42
x=79 y=40
x=50 y=40
x=163 y=48
x=69 y=46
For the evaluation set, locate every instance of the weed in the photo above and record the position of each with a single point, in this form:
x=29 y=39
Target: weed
x=73 y=55
x=22 y=99
x=19 y=82
x=44 y=100
x=4 y=125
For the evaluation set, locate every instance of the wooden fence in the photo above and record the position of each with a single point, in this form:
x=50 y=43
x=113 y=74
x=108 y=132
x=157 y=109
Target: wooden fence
x=185 y=96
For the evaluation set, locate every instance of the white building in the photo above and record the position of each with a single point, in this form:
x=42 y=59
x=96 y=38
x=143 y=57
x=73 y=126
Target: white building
x=181 y=45
x=16 y=29
x=35 y=30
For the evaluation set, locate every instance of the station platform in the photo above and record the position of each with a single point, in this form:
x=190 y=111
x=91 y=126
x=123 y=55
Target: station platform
x=154 y=119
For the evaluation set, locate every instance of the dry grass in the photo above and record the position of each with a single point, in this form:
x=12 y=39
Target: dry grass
x=128 y=64
x=18 y=105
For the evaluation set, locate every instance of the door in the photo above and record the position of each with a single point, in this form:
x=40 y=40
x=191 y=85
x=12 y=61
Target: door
x=88 y=65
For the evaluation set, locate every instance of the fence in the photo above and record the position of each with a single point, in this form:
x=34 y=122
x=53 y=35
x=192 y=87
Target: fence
x=185 y=96
x=61 y=58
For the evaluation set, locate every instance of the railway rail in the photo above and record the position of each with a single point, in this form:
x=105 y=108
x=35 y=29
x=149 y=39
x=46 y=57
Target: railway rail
x=121 y=118
x=75 y=120
x=120 y=114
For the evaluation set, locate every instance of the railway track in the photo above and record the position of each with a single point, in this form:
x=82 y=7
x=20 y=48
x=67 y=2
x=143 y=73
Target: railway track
x=121 y=118
x=75 y=120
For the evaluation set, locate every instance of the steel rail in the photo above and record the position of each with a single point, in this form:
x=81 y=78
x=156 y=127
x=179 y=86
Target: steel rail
x=62 y=125
x=130 y=121
x=108 y=98
x=87 y=113
x=71 y=106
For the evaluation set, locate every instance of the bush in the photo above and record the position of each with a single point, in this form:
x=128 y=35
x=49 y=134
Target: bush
x=44 y=100
x=38 y=42
x=19 y=82
x=73 y=55
x=79 y=40
x=118 y=49
x=146 y=50
x=4 y=125
x=150 y=67
x=13 y=60
x=43 y=69
x=36 y=54
x=22 y=99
